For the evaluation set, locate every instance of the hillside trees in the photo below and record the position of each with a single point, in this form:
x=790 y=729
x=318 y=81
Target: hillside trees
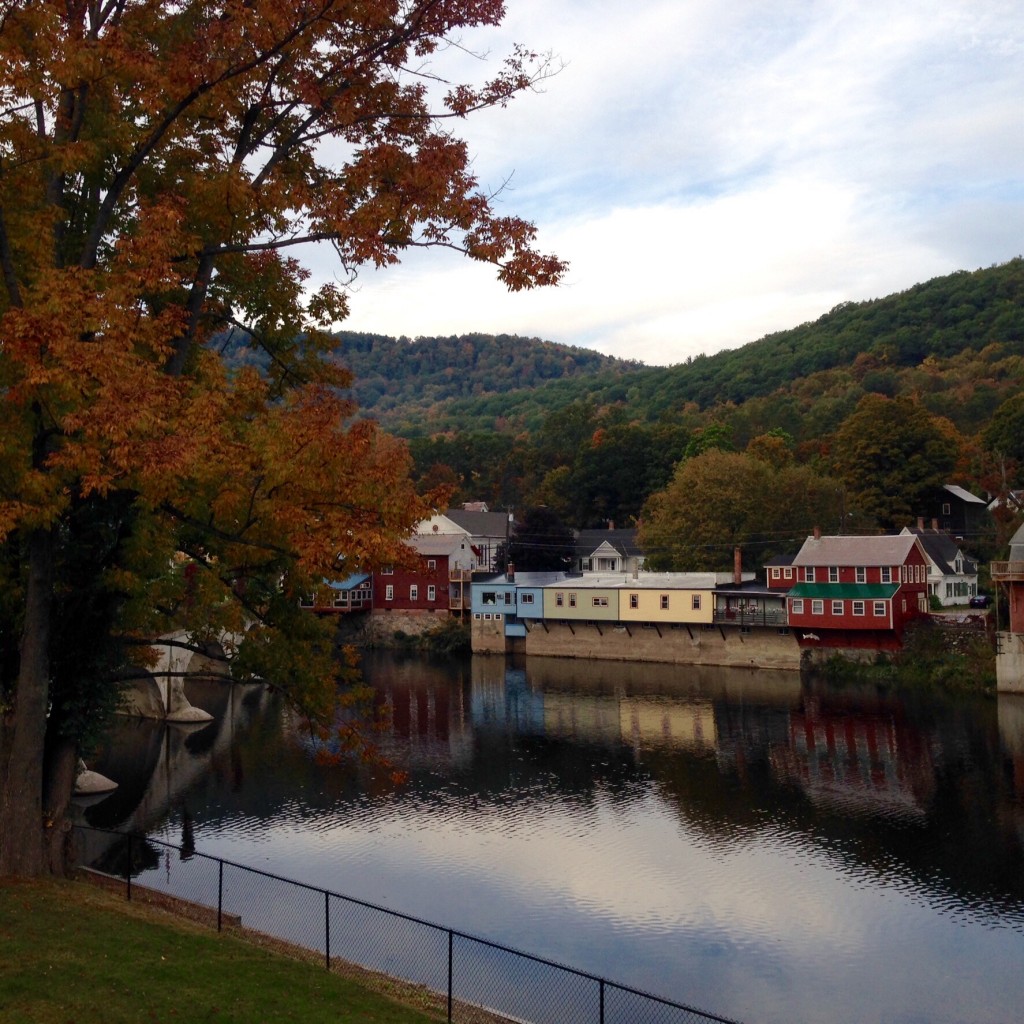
x=160 y=167
x=892 y=454
x=719 y=500
x=540 y=542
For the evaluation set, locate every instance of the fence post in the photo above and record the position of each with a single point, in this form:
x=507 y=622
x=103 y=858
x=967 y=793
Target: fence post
x=128 y=868
x=451 y=939
x=220 y=893
x=601 y=1014
x=327 y=928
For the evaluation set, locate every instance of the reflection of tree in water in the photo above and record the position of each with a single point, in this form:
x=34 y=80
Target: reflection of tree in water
x=134 y=853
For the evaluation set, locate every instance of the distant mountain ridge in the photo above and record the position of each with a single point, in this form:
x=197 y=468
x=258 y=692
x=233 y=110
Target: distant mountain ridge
x=963 y=325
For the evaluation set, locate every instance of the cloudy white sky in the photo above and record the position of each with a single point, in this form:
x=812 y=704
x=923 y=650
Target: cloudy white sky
x=715 y=170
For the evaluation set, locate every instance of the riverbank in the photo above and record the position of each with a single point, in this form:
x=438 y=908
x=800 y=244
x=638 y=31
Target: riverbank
x=933 y=657
x=73 y=951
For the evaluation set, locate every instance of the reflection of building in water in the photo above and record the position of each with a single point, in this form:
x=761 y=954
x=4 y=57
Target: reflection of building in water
x=868 y=763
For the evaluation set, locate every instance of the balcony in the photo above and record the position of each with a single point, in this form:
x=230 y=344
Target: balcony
x=775 y=617
x=1007 y=572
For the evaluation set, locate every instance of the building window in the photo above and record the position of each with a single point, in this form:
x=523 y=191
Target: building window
x=489 y=597
x=431 y=593
x=634 y=600
x=808 y=574
x=837 y=607
x=431 y=563
x=388 y=570
x=886 y=574
x=878 y=609
x=508 y=597
x=788 y=572
x=664 y=602
x=796 y=606
x=833 y=574
x=600 y=602
x=526 y=598
x=817 y=607
x=559 y=600
x=862 y=574
x=775 y=573
x=414 y=592
x=307 y=600
x=783 y=630
x=586 y=564
x=389 y=593
x=945 y=508
x=858 y=607
x=572 y=600
x=696 y=602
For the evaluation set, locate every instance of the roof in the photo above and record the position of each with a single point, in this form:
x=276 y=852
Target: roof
x=942 y=550
x=963 y=495
x=523 y=579
x=780 y=560
x=848 y=550
x=480 y=524
x=349 y=583
x=623 y=541
x=647 y=580
x=846 y=591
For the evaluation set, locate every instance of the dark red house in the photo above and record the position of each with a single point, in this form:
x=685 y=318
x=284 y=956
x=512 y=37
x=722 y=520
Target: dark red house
x=423 y=588
x=857 y=592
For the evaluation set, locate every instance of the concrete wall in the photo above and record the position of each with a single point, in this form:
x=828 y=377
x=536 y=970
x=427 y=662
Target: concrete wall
x=695 y=645
x=1010 y=662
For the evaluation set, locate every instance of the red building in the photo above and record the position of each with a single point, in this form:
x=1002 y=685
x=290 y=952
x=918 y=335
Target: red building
x=857 y=592
x=423 y=588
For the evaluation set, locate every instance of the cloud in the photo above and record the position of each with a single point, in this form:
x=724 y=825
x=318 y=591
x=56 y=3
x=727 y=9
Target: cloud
x=717 y=171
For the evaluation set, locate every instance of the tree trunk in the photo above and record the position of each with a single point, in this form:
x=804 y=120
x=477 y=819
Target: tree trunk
x=61 y=770
x=24 y=733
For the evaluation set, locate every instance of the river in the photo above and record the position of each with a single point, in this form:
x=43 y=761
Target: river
x=770 y=849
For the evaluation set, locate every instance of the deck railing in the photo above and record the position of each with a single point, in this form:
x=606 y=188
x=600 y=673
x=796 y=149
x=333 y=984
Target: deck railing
x=1006 y=571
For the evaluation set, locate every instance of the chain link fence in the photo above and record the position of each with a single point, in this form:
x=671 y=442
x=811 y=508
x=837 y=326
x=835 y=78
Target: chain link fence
x=471 y=980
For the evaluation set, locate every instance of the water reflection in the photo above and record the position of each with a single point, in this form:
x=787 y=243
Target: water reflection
x=769 y=849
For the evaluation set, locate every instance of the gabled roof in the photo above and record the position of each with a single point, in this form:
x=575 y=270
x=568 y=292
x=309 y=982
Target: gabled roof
x=623 y=541
x=883 y=550
x=780 y=560
x=963 y=495
x=480 y=524
x=943 y=551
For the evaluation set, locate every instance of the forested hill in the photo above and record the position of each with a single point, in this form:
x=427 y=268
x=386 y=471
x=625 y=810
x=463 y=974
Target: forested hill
x=404 y=383
x=932 y=339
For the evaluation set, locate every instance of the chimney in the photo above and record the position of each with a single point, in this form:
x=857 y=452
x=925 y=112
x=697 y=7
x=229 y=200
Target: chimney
x=611 y=524
x=935 y=525
x=817 y=533
x=737 y=566
x=510 y=572
x=920 y=522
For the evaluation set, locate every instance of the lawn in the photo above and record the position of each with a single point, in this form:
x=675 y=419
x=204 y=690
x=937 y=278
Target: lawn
x=72 y=953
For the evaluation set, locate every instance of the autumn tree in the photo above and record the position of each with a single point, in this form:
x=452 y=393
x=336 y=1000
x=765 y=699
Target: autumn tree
x=891 y=454
x=721 y=500
x=163 y=167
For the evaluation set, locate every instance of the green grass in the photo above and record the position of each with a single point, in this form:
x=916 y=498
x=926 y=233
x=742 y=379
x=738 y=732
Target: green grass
x=72 y=953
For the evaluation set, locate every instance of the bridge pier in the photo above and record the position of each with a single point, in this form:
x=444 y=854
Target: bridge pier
x=160 y=692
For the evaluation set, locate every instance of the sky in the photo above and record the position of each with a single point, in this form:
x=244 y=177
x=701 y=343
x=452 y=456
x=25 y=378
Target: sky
x=715 y=170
